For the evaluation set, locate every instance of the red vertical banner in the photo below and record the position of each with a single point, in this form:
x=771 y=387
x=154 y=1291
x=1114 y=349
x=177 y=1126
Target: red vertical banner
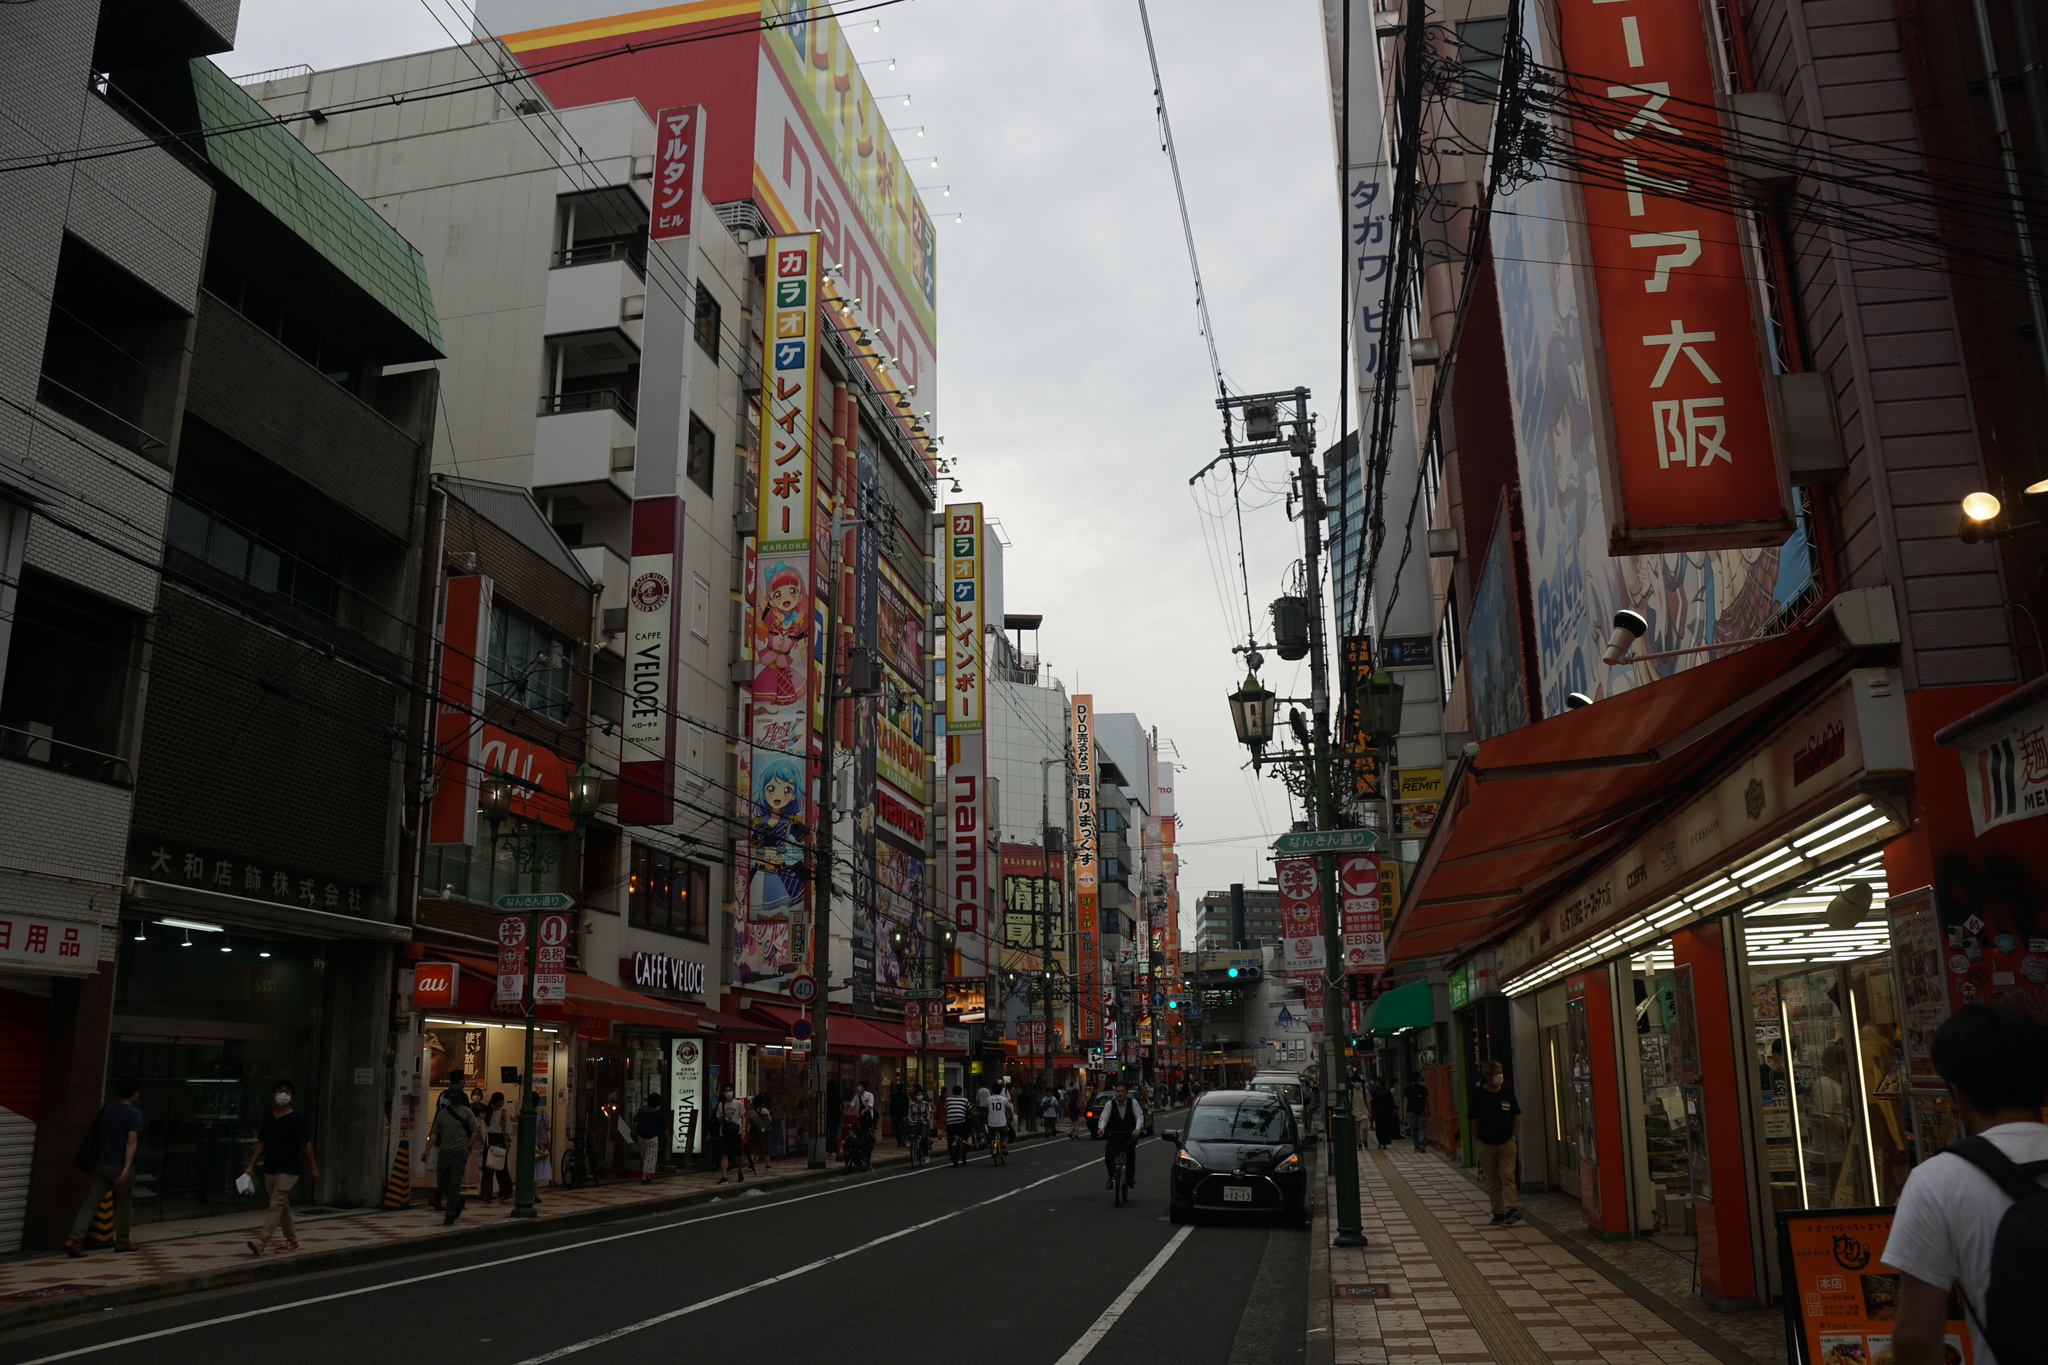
x=678 y=169
x=1693 y=449
x=550 y=973
x=647 y=745
x=1301 y=915
x=458 y=713
x=1363 y=920
x=511 y=959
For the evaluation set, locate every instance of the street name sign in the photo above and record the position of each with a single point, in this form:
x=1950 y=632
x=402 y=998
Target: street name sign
x=537 y=900
x=1326 y=841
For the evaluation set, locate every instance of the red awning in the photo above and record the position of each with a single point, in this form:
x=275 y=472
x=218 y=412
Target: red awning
x=1540 y=804
x=733 y=1028
x=589 y=998
x=778 y=1019
x=853 y=1036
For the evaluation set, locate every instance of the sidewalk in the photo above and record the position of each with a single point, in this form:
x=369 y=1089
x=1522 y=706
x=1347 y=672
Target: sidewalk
x=45 y=1285
x=1438 y=1283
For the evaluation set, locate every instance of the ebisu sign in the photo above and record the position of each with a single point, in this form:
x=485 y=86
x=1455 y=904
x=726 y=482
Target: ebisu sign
x=663 y=972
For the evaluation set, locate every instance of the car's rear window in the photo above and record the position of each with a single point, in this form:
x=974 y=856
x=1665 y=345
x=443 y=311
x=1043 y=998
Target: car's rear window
x=1288 y=1089
x=1243 y=1121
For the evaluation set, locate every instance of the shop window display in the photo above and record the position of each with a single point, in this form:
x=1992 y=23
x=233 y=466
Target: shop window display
x=1666 y=1062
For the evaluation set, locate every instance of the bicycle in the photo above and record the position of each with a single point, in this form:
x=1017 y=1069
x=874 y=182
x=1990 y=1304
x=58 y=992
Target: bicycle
x=1120 y=1173
x=998 y=1146
x=920 y=1144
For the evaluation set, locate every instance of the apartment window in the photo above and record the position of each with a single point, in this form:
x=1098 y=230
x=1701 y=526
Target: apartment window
x=234 y=550
x=708 y=321
x=529 y=664
x=667 y=894
x=703 y=449
x=488 y=870
x=1480 y=43
x=323 y=353
x=1113 y=870
x=71 y=679
x=1113 y=821
x=112 y=352
x=1450 y=645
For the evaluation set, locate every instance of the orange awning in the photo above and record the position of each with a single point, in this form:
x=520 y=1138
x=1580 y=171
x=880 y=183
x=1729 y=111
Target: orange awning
x=1539 y=805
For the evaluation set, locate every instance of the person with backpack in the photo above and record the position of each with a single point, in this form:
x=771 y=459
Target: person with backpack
x=759 y=1123
x=107 y=1154
x=1975 y=1217
x=449 y=1140
x=731 y=1119
x=647 y=1129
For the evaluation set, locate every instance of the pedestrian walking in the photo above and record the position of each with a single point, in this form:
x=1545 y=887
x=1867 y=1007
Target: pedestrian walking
x=1495 y=1119
x=899 y=1112
x=449 y=1140
x=1049 y=1112
x=1417 y=1095
x=759 y=1124
x=648 y=1126
x=284 y=1147
x=1074 y=1115
x=1971 y=1217
x=108 y=1155
x=959 y=1128
x=1386 y=1115
x=731 y=1118
x=500 y=1127
x=453 y=1087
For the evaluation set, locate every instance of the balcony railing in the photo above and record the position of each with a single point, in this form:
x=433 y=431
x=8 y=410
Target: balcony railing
x=33 y=743
x=633 y=254
x=97 y=417
x=589 y=400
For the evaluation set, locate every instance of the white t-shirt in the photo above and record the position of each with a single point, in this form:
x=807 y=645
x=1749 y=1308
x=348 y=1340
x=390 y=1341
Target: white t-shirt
x=1948 y=1218
x=999 y=1111
x=981 y=1098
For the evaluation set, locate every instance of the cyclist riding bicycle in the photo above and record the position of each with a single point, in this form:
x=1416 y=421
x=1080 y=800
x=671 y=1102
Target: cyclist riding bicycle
x=1001 y=1115
x=956 y=1126
x=1122 y=1119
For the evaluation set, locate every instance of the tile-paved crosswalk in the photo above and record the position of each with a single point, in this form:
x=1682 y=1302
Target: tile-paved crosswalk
x=1450 y=1288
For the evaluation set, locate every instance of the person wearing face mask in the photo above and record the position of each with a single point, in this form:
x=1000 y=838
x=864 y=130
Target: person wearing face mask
x=284 y=1146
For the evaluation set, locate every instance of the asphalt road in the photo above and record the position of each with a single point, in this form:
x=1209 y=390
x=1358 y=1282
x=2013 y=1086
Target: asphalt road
x=1024 y=1264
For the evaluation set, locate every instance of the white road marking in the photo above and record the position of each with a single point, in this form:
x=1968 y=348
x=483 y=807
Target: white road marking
x=818 y=1264
x=1091 y=1338
x=466 y=1269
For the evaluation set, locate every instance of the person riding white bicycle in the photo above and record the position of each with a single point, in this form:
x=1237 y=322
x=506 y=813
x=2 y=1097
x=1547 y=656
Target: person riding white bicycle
x=1122 y=1119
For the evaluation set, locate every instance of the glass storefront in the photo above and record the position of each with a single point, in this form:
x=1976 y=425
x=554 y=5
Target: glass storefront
x=208 y=1019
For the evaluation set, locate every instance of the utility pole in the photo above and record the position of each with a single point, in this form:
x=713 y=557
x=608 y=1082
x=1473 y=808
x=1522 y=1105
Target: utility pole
x=1342 y=1134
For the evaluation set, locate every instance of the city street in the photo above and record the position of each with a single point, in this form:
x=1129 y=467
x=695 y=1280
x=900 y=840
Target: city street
x=1028 y=1262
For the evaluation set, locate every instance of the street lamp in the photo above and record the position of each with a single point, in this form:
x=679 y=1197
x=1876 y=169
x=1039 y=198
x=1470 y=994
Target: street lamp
x=1379 y=701
x=1251 y=711
x=585 y=790
x=494 y=798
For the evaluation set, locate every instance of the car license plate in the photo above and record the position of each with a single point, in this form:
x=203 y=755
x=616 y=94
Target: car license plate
x=1237 y=1194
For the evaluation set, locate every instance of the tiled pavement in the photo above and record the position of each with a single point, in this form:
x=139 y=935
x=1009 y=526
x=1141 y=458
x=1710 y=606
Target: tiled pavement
x=215 y=1251
x=1438 y=1284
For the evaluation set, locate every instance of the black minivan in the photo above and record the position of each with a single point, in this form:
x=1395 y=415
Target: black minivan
x=1241 y=1153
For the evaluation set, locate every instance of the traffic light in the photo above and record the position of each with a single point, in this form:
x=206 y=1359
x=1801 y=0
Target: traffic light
x=1233 y=973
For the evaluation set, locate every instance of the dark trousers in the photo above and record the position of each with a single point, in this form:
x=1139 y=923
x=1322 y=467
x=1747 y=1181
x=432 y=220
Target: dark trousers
x=449 y=1169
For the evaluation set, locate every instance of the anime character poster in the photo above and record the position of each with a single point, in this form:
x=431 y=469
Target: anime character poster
x=1689 y=599
x=899 y=893
x=774 y=868
x=870 y=933
x=1499 y=694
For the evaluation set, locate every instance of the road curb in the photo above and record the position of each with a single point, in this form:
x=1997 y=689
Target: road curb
x=1320 y=1344
x=306 y=1263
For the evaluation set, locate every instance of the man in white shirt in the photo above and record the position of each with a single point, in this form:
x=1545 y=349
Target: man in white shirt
x=981 y=1113
x=1995 y=1062
x=1001 y=1114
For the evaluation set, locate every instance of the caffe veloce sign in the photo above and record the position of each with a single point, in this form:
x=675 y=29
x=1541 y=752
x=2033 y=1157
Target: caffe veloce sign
x=662 y=974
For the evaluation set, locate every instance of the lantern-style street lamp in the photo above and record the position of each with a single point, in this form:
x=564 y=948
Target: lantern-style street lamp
x=1251 y=711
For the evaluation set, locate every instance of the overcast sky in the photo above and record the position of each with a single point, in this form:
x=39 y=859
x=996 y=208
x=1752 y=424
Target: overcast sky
x=1074 y=385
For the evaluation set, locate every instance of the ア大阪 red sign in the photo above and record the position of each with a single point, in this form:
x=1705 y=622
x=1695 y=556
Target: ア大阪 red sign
x=1692 y=451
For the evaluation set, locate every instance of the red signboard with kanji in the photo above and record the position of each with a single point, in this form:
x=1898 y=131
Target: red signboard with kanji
x=1692 y=445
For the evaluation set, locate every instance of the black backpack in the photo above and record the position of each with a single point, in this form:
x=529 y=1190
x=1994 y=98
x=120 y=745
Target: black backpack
x=2013 y=1317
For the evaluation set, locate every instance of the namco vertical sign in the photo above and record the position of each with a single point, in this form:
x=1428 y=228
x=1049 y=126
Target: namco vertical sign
x=1692 y=450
